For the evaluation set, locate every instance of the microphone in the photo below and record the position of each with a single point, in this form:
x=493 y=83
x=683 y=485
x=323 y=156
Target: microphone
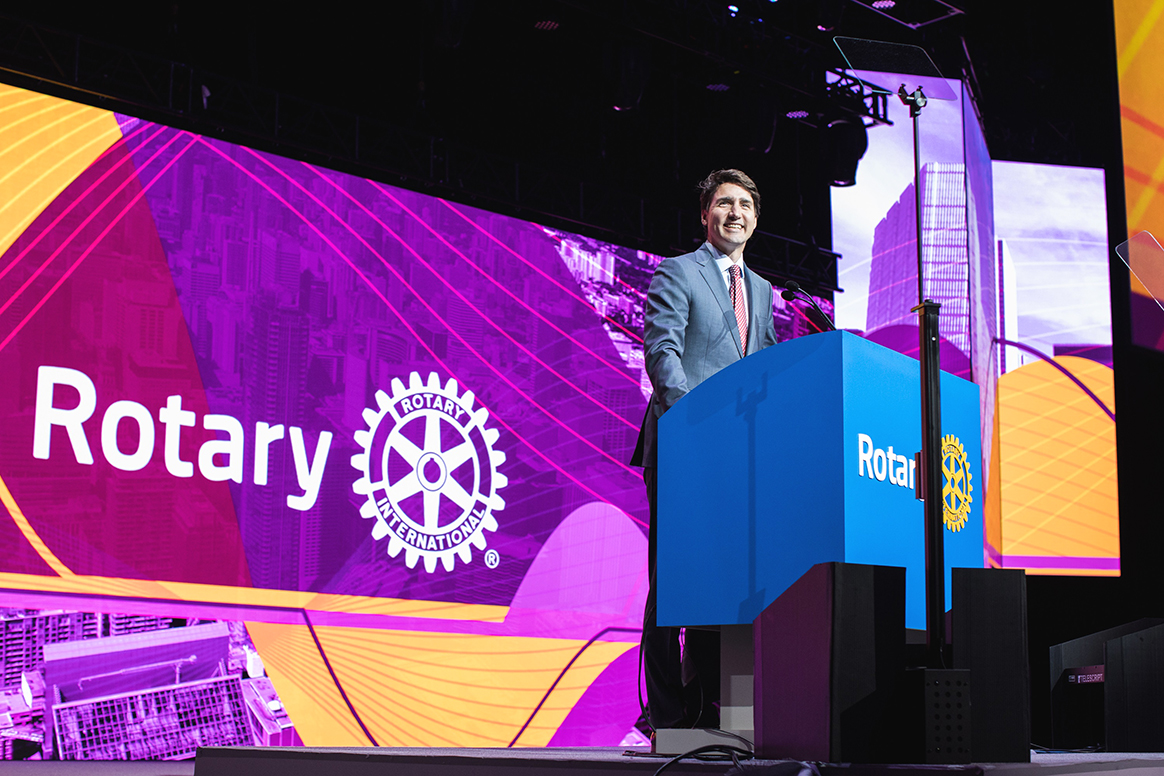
x=794 y=291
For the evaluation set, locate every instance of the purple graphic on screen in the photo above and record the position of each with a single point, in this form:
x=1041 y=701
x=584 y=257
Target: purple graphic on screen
x=903 y=338
x=1052 y=255
x=893 y=269
x=984 y=354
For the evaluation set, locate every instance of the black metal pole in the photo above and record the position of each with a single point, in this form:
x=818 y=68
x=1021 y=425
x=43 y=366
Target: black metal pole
x=931 y=458
x=931 y=415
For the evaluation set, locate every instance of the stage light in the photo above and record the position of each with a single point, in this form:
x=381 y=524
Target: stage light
x=717 y=87
x=453 y=21
x=734 y=9
x=546 y=25
x=796 y=114
x=828 y=15
x=755 y=118
x=914 y=14
x=631 y=68
x=847 y=141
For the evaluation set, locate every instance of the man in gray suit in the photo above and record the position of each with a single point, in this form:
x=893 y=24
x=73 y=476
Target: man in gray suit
x=705 y=311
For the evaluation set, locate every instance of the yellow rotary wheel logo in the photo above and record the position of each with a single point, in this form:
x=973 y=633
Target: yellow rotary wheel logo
x=956 y=487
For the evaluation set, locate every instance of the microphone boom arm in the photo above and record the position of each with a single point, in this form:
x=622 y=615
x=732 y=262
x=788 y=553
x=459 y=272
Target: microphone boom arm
x=794 y=291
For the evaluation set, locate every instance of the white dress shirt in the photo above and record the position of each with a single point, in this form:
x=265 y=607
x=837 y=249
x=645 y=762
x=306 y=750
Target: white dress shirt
x=723 y=262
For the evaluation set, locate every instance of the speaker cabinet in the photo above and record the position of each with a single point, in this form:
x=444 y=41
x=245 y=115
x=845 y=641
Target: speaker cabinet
x=829 y=654
x=989 y=635
x=1134 y=691
x=1078 y=687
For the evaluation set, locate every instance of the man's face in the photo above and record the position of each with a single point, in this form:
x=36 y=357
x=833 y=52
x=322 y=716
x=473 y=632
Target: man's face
x=731 y=218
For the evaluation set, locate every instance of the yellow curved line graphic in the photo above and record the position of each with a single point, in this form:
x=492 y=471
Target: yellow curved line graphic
x=30 y=534
x=46 y=172
x=55 y=141
x=28 y=98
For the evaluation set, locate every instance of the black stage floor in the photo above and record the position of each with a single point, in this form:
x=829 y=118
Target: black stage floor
x=301 y=761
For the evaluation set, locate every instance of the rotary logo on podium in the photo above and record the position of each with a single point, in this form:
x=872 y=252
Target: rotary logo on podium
x=956 y=487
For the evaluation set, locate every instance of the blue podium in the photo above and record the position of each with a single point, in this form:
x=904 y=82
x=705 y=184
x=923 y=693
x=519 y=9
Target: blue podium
x=803 y=454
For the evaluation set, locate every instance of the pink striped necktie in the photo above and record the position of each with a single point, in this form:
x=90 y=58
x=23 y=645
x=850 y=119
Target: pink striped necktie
x=737 y=293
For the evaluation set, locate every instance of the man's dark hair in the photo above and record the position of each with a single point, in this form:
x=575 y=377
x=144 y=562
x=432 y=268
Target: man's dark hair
x=712 y=182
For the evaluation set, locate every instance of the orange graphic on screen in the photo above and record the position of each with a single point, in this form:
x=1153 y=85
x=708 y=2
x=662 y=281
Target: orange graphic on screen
x=1056 y=509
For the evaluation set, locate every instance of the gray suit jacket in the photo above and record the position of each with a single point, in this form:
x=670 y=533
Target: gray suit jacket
x=691 y=333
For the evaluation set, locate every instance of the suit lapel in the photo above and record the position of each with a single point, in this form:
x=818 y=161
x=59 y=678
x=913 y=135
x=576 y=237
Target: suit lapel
x=714 y=279
x=755 y=291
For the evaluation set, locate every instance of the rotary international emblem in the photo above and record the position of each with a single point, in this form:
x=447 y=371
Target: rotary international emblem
x=429 y=471
x=956 y=487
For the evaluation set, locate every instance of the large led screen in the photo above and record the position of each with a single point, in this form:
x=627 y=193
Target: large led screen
x=1017 y=256
x=291 y=456
x=1057 y=508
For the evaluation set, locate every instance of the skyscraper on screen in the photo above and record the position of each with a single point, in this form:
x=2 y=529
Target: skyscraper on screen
x=893 y=271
